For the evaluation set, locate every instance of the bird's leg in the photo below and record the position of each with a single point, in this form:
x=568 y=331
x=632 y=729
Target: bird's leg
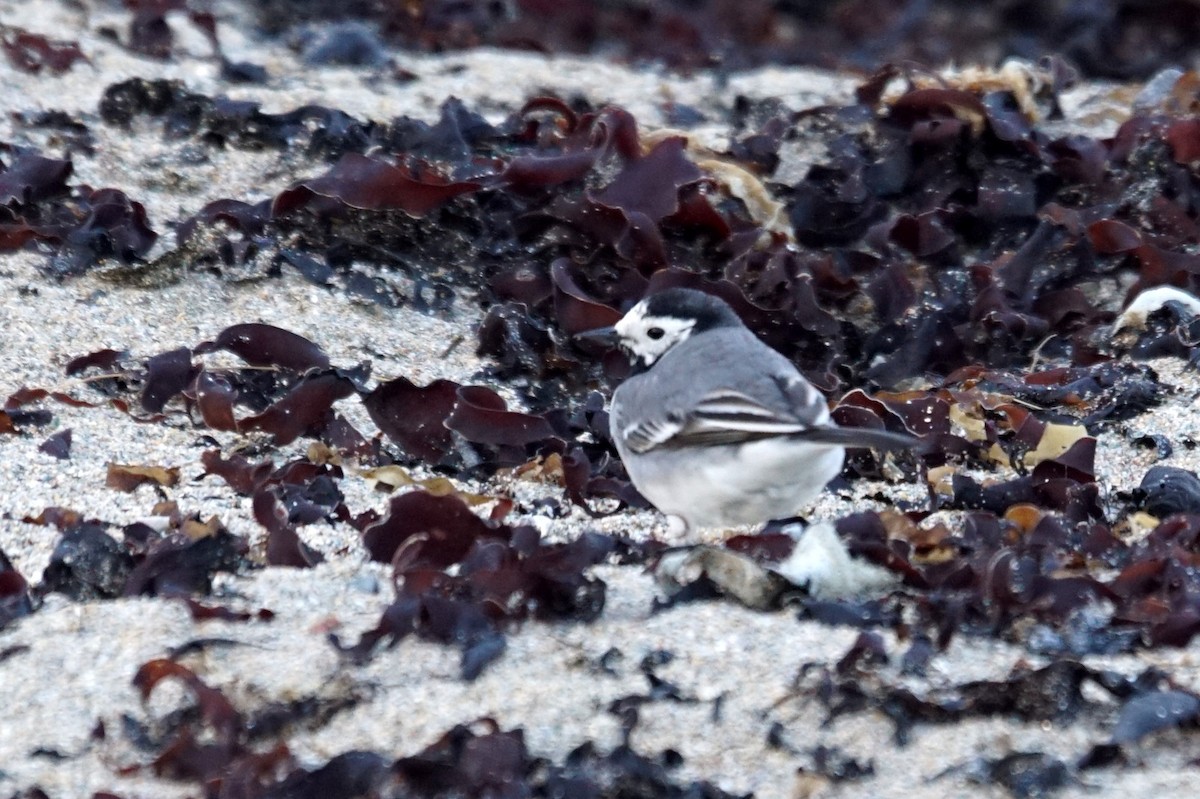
x=677 y=528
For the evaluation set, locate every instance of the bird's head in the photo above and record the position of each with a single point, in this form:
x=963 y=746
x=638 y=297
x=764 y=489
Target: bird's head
x=664 y=320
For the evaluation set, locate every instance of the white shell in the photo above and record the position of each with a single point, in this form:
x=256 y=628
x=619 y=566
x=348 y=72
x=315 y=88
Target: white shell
x=1150 y=301
x=821 y=563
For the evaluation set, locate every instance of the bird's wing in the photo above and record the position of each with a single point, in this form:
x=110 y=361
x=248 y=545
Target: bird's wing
x=810 y=406
x=726 y=416
x=720 y=417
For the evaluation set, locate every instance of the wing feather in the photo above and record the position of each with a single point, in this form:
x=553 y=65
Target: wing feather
x=722 y=417
x=650 y=433
x=731 y=417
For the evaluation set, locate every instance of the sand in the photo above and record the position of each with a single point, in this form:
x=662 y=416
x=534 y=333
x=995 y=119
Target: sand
x=81 y=657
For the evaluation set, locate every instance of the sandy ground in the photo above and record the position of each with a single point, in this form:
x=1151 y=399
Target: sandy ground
x=81 y=657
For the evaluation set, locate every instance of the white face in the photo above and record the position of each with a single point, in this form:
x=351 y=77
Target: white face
x=648 y=337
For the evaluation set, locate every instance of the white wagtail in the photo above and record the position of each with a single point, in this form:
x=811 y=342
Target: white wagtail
x=716 y=428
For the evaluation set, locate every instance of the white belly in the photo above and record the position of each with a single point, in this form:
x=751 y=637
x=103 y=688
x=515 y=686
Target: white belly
x=748 y=484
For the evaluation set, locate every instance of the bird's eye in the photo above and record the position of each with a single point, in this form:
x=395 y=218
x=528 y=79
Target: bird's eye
x=656 y=333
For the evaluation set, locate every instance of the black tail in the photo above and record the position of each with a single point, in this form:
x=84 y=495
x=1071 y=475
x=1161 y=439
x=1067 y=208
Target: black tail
x=858 y=437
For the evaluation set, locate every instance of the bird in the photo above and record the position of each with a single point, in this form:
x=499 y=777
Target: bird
x=715 y=428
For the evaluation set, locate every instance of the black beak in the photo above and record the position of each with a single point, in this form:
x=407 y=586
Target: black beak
x=607 y=336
